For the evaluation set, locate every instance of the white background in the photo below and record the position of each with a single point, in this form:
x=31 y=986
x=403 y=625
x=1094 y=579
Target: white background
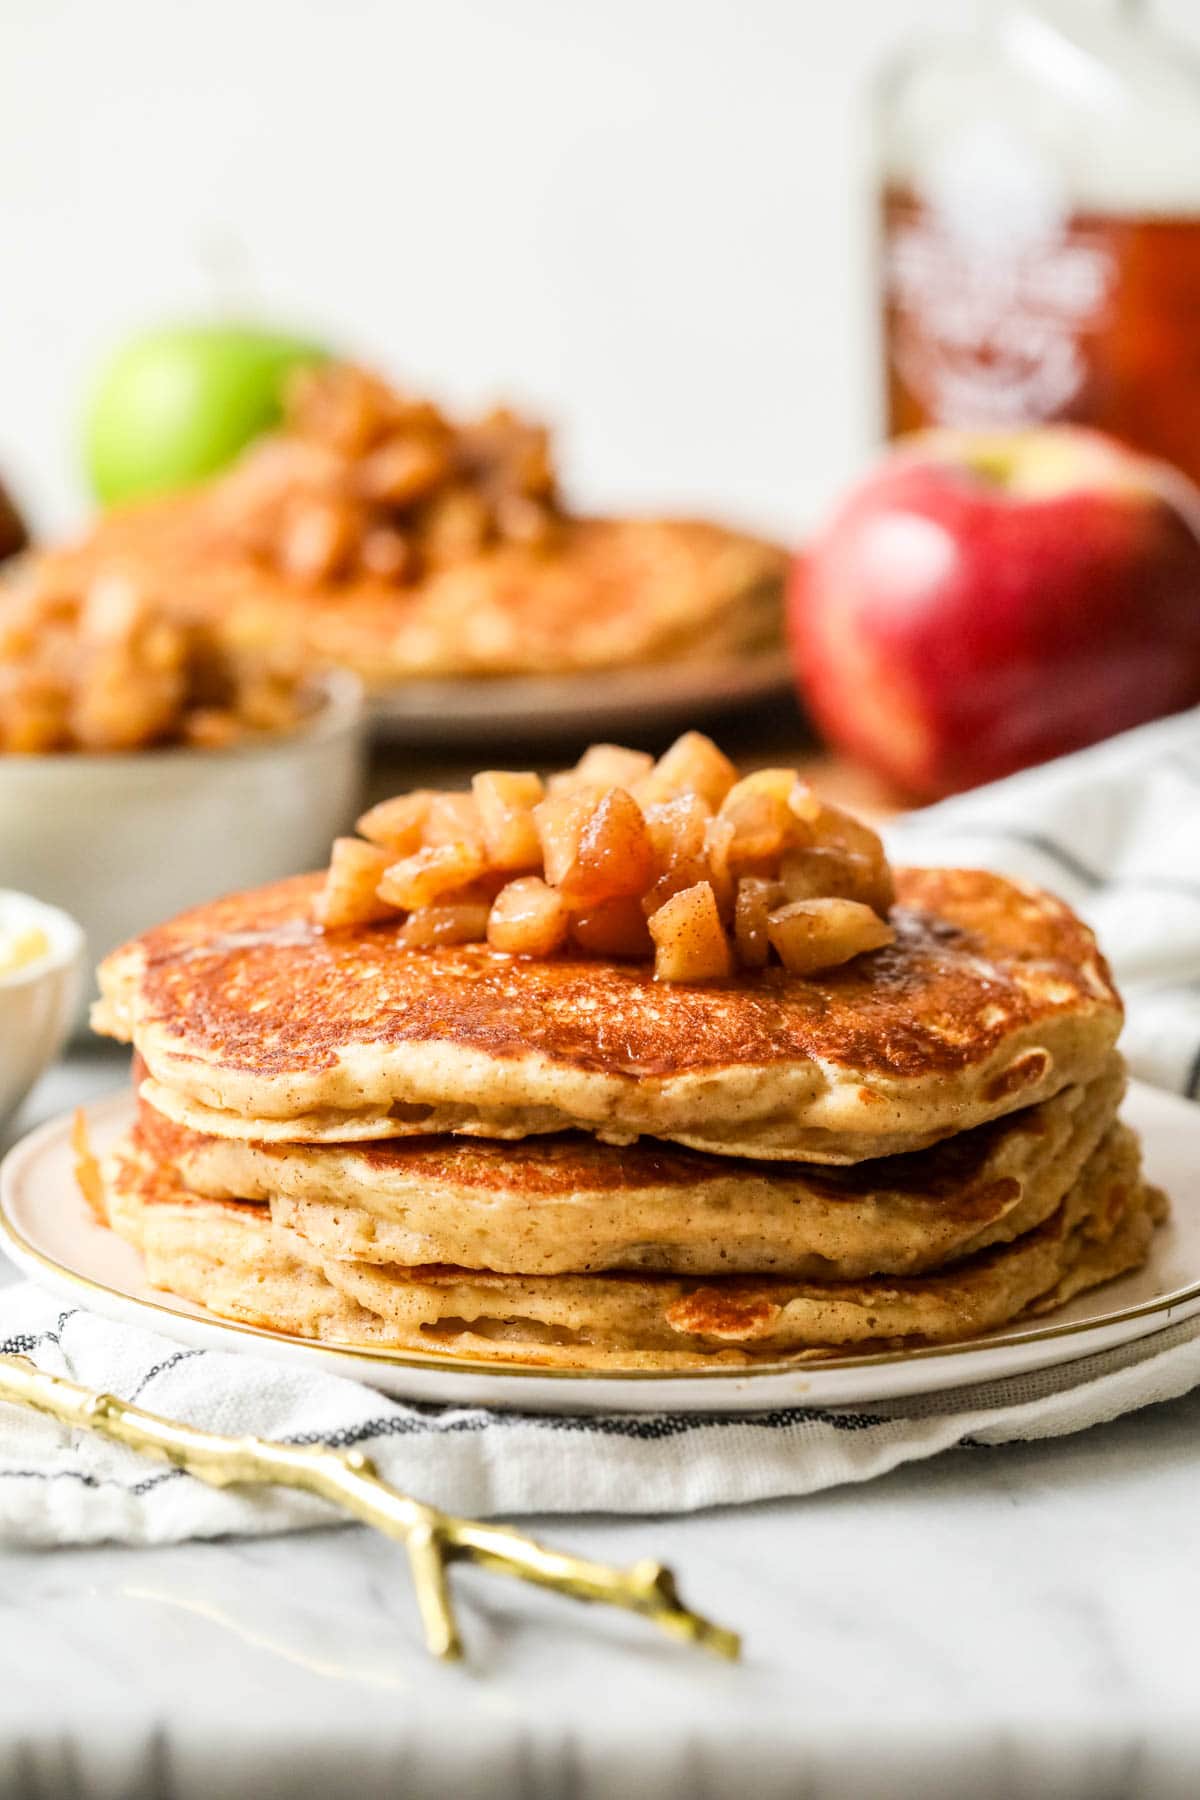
x=647 y=219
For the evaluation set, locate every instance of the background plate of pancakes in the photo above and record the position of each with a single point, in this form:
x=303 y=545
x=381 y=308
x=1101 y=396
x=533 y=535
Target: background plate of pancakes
x=447 y=570
x=48 y=1231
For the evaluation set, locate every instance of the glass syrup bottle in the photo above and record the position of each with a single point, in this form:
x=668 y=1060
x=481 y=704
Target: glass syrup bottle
x=1040 y=226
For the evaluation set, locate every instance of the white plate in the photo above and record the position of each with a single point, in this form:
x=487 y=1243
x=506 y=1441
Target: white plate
x=654 y=697
x=48 y=1231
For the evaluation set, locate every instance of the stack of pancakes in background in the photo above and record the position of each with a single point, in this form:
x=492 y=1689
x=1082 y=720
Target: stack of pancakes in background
x=560 y=1160
x=373 y=532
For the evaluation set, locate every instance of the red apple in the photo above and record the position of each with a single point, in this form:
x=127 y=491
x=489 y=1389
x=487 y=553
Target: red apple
x=983 y=601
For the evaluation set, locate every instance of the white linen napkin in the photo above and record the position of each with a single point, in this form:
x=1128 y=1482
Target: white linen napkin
x=63 y=1487
x=1116 y=830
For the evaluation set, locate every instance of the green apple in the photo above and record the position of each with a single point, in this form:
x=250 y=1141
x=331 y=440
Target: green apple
x=176 y=405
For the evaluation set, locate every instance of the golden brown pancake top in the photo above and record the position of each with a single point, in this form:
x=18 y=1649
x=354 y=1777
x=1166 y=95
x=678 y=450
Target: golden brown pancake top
x=250 y=983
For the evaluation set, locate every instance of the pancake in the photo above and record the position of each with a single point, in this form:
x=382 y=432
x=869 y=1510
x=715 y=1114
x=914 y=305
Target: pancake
x=255 y=1024
x=224 y=1254
x=570 y=1204
x=611 y=593
x=227 y=1256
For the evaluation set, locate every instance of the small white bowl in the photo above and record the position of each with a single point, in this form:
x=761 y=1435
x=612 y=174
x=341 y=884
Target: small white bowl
x=125 y=841
x=38 y=1001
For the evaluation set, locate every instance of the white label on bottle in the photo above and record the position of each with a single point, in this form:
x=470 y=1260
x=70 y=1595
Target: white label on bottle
x=991 y=287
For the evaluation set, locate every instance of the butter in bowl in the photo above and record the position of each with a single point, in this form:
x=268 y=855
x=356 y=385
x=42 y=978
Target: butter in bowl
x=41 y=963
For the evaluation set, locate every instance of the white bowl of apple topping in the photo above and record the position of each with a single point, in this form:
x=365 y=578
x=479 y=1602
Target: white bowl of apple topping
x=41 y=963
x=144 y=767
x=621 y=856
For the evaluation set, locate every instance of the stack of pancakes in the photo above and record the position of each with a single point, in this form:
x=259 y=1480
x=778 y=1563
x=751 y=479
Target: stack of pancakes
x=563 y=1162
x=373 y=532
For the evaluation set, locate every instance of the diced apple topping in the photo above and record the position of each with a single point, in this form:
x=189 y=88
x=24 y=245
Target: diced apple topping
x=450 y=921
x=614 y=928
x=866 y=875
x=453 y=819
x=822 y=873
x=506 y=804
x=398 y=825
x=689 y=938
x=560 y=821
x=350 y=895
x=423 y=877
x=756 y=899
x=677 y=829
x=678 y=837
x=763 y=823
x=528 y=918
x=614 y=857
x=693 y=765
x=603 y=766
x=625 y=857
x=811 y=935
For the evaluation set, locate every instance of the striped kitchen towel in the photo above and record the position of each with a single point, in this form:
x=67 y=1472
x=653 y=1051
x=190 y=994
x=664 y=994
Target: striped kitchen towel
x=63 y=1487
x=1116 y=830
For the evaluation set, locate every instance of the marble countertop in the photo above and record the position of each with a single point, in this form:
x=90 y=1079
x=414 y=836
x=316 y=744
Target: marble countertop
x=1008 y=1622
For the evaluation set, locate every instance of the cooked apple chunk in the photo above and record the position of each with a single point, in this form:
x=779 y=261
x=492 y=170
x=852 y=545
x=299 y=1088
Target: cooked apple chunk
x=422 y=878
x=452 y=920
x=603 y=766
x=762 y=826
x=613 y=857
x=677 y=831
x=560 y=820
x=826 y=874
x=453 y=819
x=722 y=874
x=614 y=928
x=349 y=895
x=756 y=899
x=813 y=935
x=864 y=854
x=689 y=939
x=692 y=765
x=595 y=847
x=528 y=918
x=805 y=802
x=677 y=828
x=505 y=804
x=398 y=825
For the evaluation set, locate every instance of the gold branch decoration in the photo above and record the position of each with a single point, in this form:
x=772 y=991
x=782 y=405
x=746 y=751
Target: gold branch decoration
x=350 y=1480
